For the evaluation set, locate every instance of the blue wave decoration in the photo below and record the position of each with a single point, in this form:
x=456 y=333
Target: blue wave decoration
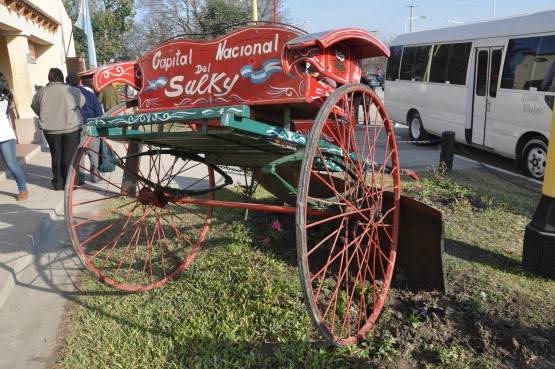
x=156 y=84
x=269 y=67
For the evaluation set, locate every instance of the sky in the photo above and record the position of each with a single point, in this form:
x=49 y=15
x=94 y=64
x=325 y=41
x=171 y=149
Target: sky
x=390 y=17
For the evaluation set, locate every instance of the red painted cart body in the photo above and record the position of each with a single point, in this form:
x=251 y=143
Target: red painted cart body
x=258 y=66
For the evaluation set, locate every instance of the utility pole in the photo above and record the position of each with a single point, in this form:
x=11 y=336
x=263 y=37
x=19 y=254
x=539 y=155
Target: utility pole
x=411 y=17
x=254 y=11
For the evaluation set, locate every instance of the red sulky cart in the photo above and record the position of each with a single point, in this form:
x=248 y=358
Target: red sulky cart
x=283 y=107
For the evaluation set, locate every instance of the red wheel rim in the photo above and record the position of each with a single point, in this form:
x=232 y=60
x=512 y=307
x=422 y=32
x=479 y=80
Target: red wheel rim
x=136 y=238
x=346 y=259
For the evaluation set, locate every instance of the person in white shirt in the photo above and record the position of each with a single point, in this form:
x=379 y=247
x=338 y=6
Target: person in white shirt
x=7 y=140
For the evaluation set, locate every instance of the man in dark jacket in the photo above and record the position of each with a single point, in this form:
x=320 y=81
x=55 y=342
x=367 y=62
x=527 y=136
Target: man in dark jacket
x=58 y=107
x=91 y=109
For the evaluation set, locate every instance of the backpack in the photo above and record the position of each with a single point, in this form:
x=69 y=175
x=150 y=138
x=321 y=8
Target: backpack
x=107 y=155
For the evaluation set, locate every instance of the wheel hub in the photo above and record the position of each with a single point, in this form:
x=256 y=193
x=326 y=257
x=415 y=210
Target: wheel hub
x=157 y=198
x=537 y=160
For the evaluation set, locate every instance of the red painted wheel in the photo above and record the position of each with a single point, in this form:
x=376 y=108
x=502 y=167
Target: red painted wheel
x=351 y=174
x=130 y=231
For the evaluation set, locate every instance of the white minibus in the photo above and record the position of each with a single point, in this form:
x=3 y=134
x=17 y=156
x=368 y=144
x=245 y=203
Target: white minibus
x=491 y=82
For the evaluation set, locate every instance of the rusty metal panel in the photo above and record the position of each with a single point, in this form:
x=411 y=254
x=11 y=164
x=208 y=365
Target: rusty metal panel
x=420 y=242
x=420 y=245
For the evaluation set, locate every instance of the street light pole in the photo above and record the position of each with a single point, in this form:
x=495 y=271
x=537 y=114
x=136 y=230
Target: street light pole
x=411 y=6
x=410 y=19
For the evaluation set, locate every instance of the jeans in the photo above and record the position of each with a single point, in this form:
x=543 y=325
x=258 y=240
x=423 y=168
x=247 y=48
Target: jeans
x=94 y=150
x=62 y=148
x=7 y=152
x=93 y=154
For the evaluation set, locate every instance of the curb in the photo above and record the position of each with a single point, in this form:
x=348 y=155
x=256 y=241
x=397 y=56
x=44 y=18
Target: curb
x=25 y=256
x=20 y=254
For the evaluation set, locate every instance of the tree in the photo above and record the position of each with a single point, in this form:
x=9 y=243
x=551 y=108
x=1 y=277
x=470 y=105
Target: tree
x=161 y=20
x=111 y=20
x=372 y=64
x=216 y=15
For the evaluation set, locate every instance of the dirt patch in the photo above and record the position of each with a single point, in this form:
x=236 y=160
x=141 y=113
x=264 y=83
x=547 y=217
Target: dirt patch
x=433 y=328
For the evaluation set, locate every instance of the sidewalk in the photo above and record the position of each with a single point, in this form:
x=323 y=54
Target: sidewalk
x=37 y=265
x=22 y=225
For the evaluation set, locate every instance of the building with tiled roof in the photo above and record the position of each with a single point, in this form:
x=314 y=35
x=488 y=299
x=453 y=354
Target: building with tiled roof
x=35 y=35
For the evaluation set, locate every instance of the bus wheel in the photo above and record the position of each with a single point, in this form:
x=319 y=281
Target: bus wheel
x=416 y=129
x=533 y=158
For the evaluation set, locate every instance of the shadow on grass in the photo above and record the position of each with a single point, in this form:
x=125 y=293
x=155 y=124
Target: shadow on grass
x=475 y=254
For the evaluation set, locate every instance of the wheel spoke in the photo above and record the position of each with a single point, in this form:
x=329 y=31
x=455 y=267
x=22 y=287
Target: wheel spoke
x=346 y=258
x=126 y=230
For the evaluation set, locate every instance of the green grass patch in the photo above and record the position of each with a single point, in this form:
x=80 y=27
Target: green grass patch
x=239 y=304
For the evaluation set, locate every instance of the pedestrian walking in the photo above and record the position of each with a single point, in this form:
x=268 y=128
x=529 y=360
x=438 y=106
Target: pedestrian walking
x=357 y=99
x=379 y=77
x=90 y=110
x=7 y=140
x=58 y=107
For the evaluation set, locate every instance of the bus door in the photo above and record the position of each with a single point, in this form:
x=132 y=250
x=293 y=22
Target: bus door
x=486 y=78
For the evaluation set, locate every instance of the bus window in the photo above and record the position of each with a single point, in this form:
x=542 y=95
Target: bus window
x=450 y=63
x=393 y=63
x=421 y=63
x=482 y=73
x=519 y=63
x=545 y=64
x=414 y=63
x=458 y=63
x=440 y=62
x=495 y=67
x=407 y=63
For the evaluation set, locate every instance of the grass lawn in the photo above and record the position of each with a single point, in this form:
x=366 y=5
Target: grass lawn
x=239 y=304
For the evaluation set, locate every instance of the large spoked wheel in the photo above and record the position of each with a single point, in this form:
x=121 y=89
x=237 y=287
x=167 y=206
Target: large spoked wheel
x=127 y=226
x=348 y=215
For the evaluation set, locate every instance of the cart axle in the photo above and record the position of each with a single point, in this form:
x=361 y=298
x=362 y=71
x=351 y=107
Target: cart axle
x=251 y=206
